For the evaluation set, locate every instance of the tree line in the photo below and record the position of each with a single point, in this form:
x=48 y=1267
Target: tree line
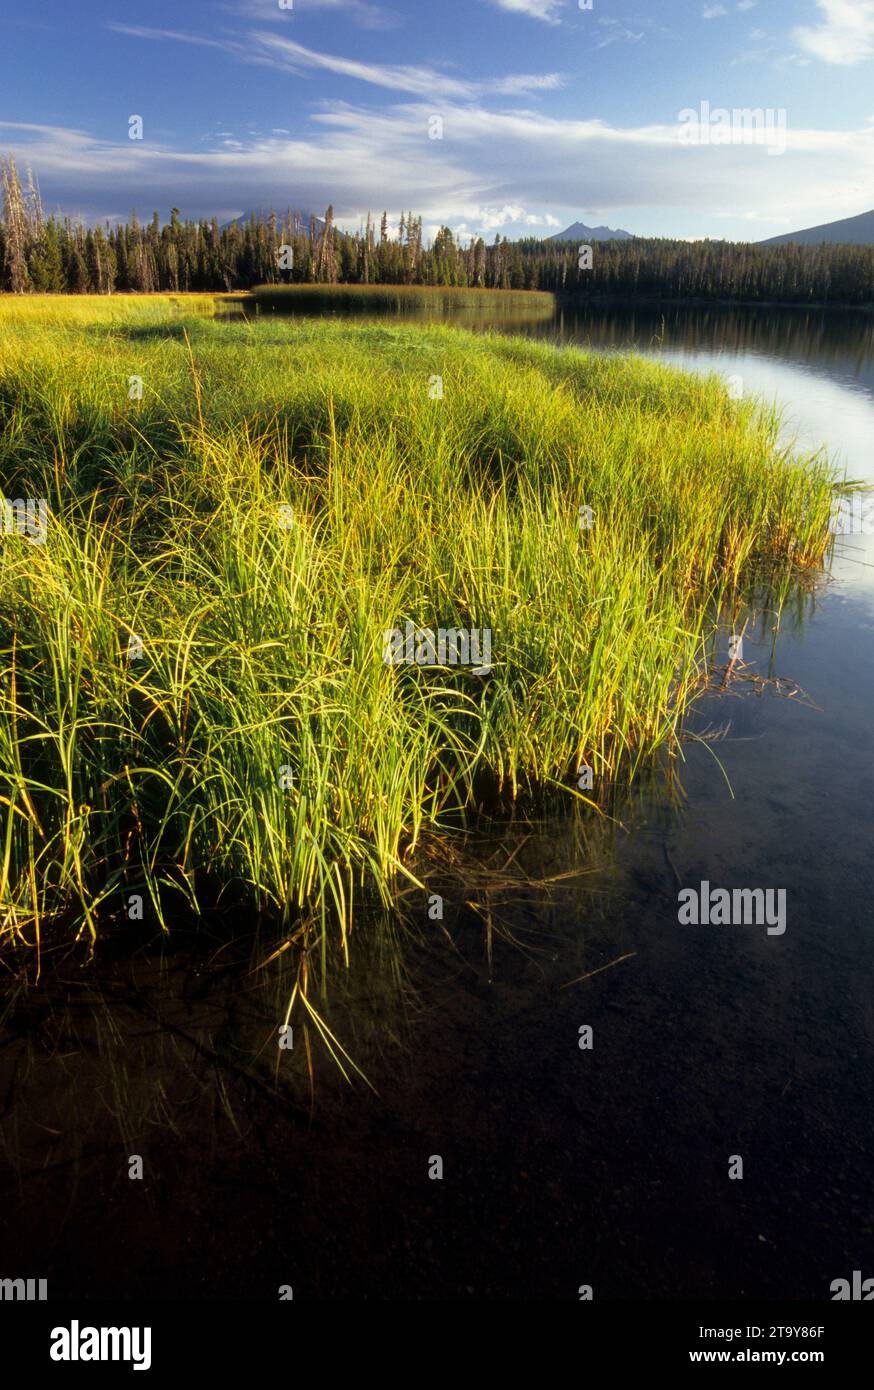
x=52 y=255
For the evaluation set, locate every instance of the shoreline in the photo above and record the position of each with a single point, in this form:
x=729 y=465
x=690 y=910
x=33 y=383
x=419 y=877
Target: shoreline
x=568 y=300
x=562 y=299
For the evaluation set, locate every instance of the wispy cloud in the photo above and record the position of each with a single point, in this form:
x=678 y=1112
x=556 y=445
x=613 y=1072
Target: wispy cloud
x=289 y=56
x=614 y=31
x=361 y=12
x=844 y=35
x=547 y=10
x=717 y=11
x=488 y=161
x=141 y=31
x=417 y=81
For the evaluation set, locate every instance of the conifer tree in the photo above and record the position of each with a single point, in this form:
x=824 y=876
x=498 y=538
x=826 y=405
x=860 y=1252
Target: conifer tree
x=17 y=229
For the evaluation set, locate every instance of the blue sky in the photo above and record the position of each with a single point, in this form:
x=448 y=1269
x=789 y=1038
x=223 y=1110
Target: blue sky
x=548 y=113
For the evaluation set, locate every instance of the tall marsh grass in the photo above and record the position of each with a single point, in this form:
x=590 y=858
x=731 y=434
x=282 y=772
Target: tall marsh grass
x=283 y=493
x=412 y=299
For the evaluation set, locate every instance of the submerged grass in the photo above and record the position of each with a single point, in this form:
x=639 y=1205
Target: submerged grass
x=193 y=702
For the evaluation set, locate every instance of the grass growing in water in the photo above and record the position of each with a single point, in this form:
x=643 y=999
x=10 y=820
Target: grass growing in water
x=414 y=299
x=258 y=748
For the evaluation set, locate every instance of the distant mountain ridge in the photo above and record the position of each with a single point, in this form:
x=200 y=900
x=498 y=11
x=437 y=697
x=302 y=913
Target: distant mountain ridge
x=300 y=220
x=578 y=231
x=849 y=231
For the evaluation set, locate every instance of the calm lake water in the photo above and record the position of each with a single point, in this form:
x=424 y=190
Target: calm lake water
x=562 y=1166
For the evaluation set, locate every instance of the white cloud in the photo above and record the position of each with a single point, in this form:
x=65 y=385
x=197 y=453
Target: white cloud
x=367 y=15
x=614 y=31
x=744 y=5
x=490 y=165
x=417 y=81
x=512 y=222
x=713 y=11
x=547 y=10
x=271 y=50
x=844 y=35
x=488 y=219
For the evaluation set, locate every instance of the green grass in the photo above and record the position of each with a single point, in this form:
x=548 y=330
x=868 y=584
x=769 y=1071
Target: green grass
x=262 y=645
x=427 y=299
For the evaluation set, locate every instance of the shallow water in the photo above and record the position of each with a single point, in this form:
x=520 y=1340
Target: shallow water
x=561 y=1166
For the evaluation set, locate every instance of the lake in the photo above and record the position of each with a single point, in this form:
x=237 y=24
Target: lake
x=563 y=1165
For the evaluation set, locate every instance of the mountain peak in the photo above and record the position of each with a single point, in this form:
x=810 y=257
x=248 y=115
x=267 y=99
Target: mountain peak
x=300 y=221
x=848 y=231
x=578 y=231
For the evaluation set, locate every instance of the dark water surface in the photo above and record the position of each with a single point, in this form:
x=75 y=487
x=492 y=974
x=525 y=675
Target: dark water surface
x=562 y=1166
